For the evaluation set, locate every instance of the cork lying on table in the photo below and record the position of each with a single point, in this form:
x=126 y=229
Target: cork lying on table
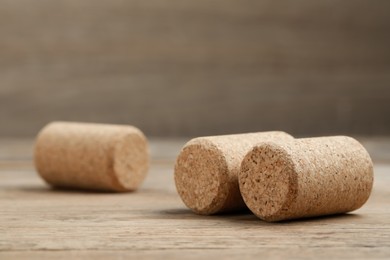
x=206 y=170
x=306 y=177
x=92 y=156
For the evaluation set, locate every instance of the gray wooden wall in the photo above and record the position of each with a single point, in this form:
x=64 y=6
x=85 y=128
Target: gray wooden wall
x=187 y=68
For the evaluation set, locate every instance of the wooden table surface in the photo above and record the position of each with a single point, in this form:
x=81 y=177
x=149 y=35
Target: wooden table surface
x=38 y=222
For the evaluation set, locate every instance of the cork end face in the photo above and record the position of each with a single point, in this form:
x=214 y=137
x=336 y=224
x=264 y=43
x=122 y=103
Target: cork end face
x=201 y=177
x=130 y=162
x=268 y=181
x=364 y=181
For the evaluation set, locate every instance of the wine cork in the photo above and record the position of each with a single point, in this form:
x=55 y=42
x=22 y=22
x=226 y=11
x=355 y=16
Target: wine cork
x=206 y=170
x=92 y=156
x=306 y=177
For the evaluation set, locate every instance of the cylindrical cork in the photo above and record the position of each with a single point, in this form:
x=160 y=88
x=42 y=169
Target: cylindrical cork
x=306 y=177
x=92 y=156
x=206 y=170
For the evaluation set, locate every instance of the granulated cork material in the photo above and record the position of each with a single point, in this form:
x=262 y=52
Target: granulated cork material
x=92 y=156
x=306 y=177
x=206 y=170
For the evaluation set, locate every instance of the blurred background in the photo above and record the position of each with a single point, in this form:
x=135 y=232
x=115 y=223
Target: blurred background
x=192 y=68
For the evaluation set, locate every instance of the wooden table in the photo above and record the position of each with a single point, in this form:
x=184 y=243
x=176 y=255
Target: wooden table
x=38 y=222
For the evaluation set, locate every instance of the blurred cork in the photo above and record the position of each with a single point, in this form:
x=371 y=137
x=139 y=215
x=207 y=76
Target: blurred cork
x=306 y=177
x=92 y=156
x=206 y=170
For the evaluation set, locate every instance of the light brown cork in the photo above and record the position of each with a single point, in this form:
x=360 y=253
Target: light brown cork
x=92 y=156
x=306 y=177
x=206 y=170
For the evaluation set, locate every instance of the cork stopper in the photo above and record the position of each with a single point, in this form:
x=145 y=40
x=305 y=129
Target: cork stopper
x=306 y=177
x=92 y=156
x=206 y=170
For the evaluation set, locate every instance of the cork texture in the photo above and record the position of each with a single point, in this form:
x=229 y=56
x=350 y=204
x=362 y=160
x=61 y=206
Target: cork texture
x=92 y=156
x=207 y=167
x=306 y=178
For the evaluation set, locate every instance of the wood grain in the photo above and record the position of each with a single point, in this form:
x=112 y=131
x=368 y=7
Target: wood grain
x=37 y=222
x=183 y=67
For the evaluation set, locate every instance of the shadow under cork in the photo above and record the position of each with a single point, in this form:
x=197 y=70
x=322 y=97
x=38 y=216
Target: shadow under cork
x=246 y=217
x=188 y=214
x=335 y=219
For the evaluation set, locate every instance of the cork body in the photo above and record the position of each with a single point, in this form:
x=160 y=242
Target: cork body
x=306 y=177
x=206 y=170
x=92 y=156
